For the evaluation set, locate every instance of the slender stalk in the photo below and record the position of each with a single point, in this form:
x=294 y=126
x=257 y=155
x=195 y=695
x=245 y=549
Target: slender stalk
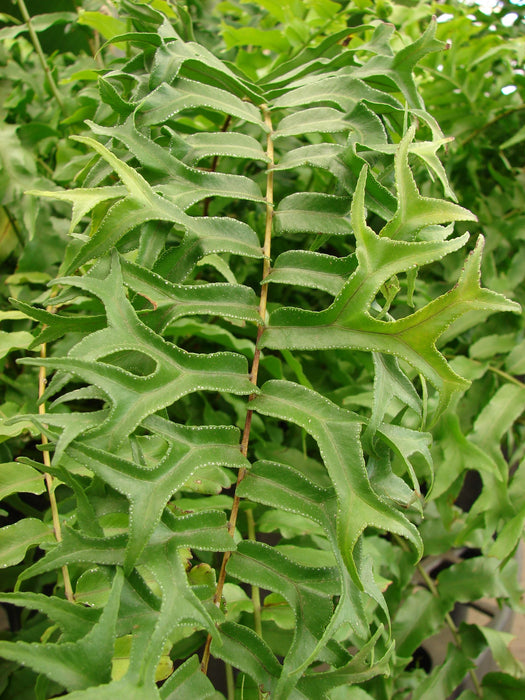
x=508 y=377
x=448 y=619
x=505 y=375
x=42 y=381
x=94 y=45
x=230 y=682
x=38 y=48
x=255 y=369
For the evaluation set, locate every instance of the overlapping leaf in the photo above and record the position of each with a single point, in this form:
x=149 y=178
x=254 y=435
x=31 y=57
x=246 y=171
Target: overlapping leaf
x=184 y=185
x=133 y=397
x=167 y=101
x=282 y=487
x=348 y=323
x=143 y=204
x=337 y=433
x=149 y=489
x=79 y=664
x=307 y=590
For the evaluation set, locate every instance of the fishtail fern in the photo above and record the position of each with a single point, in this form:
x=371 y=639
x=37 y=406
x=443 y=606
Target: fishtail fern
x=304 y=233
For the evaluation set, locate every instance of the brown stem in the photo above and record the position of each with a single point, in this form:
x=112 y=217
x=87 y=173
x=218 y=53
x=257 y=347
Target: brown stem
x=42 y=380
x=255 y=370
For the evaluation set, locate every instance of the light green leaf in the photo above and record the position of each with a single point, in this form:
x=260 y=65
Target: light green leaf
x=479 y=577
x=110 y=94
x=9 y=411
x=16 y=539
x=316 y=120
x=20 y=478
x=143 y=204
x=17 y=340
x=515 y=362
x=426 y=151
x=121 y=659
x=192 y=60
x=249 y=653
x=28 y=278
x=362 y=667
x=270 y=39
x=188 y=682
x=281 y=486
x=78 y=548
x=175 y=372
x=321 y=155
x=390 y=382
x=497 y=416
x=444 y=679
x=459 y=453
x=173 y=301
x=340 y=91
x=399 y=68
x=346 y=323
x=414 y=211
x=315 y=270
x=494 y=684
x=290 y=525
x=206 y=145
x=205 y=235
x=135 y=184
x=491 y=345
x=56 y=325
x=184 y=185
x=103 y=23
x=406 y=443
x=509 y=537
x=92 y=588
x=149 y=489
x=499 y=641
x=83 y=200
x=418 y=618
x=180 y=606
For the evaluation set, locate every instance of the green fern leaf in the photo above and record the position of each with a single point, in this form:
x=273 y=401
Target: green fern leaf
x=307 y=590
x=315 y=213
x=167 y=101
x=315 y=270
x=75 y=621
x=411 y=338
x=337 y=433
x=75 y=665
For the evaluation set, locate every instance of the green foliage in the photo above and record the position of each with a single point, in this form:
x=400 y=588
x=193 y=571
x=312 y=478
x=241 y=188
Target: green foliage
x=273 y=368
